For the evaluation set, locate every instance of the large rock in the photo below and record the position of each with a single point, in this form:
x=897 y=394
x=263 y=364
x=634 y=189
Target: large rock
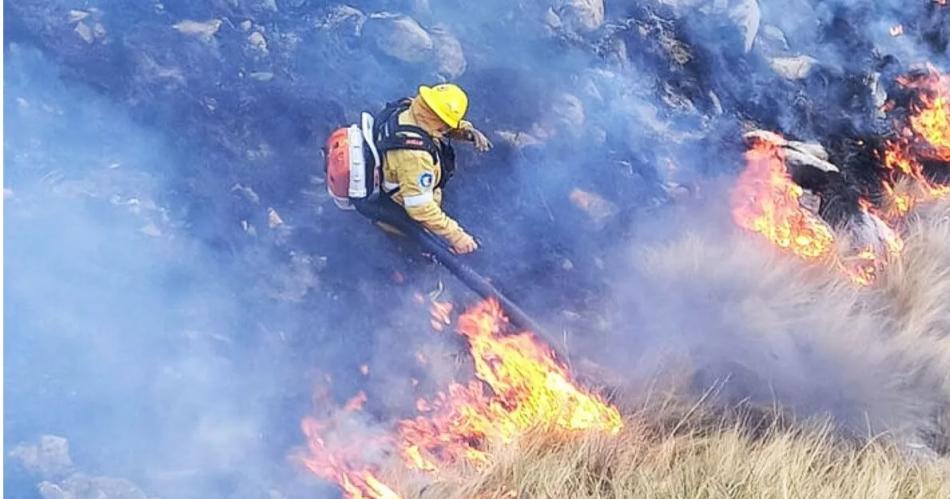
x=342 y=18
x=742 y=15
x=448 y=53
x=580 y=15
x=793 y=68
x=399 y=36
x=80 y=486
x=203 y=30
x=746 y=16
x=48 y=458
x=771 y=41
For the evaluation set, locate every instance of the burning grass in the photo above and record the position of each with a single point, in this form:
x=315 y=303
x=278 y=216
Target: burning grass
x=871 y=360
x=695 y=457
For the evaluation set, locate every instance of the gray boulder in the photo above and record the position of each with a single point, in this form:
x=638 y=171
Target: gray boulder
x=793 y=68
x=448 y=53
x=47 y=458
x=398 y=36
x=580 y=15
x=744 y=15
x=80 y=486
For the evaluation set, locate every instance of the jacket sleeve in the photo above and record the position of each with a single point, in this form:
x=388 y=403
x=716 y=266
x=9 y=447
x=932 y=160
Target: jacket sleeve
x=417 y=185
x=463 y=132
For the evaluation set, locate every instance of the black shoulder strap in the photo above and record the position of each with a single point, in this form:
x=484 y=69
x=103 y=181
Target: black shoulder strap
x=390 y=135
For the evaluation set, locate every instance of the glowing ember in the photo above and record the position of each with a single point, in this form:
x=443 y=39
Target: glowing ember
x=441 y=315
x=766 y=200
x=521 y=385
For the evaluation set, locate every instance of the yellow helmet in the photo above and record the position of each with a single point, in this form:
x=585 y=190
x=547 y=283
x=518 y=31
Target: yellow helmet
x=448 y=101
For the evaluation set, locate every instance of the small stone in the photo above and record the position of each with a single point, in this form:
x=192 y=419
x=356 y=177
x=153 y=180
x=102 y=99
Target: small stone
x=258 y=41
x=204 y=30
x=273 y=218
x=151 y=230
x=262 y=75
x=75 y=16
x=85 y=32
x=49 y=490
x=245 y=25
x=247 y=192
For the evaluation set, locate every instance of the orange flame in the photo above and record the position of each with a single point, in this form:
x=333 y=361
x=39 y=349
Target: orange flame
x=336 y=462
x=766 y=200
x=520 y=385
x=925 y=136
x=528 y=387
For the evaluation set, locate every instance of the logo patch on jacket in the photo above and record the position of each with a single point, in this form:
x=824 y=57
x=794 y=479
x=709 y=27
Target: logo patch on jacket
x=426 y=180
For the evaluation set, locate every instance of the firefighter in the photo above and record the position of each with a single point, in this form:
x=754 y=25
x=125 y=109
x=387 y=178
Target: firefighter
x=413 y=136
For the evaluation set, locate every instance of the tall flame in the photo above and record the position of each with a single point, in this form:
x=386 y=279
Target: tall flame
x=767 y=201
x=520 y=385
x=528 y=387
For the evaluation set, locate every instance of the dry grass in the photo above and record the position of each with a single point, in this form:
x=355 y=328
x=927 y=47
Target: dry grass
x=649 y=461
x=871 y=365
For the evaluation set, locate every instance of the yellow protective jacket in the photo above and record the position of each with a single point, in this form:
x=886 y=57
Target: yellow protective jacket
x=416 y=176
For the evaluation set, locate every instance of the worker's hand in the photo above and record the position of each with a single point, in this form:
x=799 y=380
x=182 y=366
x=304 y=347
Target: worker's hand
x=482 y=143
x=475 y=136
x=464 y=244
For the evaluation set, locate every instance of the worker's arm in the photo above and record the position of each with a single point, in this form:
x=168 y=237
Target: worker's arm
x=467 y=131
x=417 y=181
